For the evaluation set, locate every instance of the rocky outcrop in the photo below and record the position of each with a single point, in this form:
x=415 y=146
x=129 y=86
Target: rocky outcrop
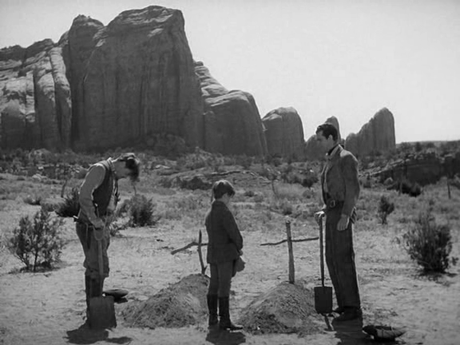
x=232 y=124
x=378 y=135
x=284 y=133
x=27 y=96
x=423 y=168
x=133 y=79
x=313 y=151
x=126 y=84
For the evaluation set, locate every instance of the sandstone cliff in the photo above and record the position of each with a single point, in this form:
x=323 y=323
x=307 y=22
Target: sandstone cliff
x=232 y=124
x=376 y=135
x=132 y=79
x=284 y=133
x=34 y=97
x=121 y=85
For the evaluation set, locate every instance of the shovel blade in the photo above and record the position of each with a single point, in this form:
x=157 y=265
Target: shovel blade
x=323 y=299
x=102 y=313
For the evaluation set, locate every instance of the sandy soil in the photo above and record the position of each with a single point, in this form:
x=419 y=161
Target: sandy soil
x=49 y=307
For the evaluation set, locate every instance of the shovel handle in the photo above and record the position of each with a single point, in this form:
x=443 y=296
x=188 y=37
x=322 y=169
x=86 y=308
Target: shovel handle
x=99 y=259
x=320 y=223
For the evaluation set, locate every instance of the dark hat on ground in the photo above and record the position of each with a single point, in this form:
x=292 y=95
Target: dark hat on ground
x=384 y=333
x=117 y=294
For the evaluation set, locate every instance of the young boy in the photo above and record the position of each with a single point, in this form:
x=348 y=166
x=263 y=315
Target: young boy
x=224 y=248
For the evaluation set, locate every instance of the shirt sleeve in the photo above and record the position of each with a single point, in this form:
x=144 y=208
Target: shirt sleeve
x=352 y=189
x=93 y=180
x=232 y=229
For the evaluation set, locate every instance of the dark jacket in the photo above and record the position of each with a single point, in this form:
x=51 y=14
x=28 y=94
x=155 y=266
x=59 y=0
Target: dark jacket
x=224 y=237
x=341 y=175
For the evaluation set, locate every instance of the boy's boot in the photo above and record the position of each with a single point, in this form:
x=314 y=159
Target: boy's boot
x=224 y=314
x=212 y=308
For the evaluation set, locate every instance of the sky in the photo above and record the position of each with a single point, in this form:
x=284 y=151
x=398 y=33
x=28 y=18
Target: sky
x=347 y=58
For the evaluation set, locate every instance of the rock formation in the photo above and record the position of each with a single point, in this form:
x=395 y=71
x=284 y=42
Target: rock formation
x=232 y=124
x=423 y=168
x=376 y=135
x=132 y=79
x=121 y=85
x=20 y=68
x=284 y=133
x=312 y=149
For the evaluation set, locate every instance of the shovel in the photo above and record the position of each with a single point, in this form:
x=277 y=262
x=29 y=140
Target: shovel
x=323 y=294
x=101 y=309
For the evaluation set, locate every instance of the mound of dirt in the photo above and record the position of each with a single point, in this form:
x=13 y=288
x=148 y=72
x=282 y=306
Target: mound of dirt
x=179 y=305
x=287 y=308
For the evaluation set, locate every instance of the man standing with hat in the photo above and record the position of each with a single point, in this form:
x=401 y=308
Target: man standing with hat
x=98 y=198
x=340 y=191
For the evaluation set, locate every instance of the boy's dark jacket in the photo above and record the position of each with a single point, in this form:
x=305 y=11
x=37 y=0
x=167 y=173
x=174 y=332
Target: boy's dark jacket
x=224 y=237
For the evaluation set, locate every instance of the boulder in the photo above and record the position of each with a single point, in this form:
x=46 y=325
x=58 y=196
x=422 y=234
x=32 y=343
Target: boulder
x=231 y=119
x=284 y=133
x=378 y=135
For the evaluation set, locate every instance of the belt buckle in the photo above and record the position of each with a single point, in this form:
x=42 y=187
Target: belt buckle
x=332 y=203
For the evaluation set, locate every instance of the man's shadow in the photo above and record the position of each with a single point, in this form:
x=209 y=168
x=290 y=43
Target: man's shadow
x=85 y=335
x=218 y=336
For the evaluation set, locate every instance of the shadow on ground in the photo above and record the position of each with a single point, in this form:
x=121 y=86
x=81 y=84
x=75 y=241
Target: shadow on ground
x=84 y=335
x=217 y=336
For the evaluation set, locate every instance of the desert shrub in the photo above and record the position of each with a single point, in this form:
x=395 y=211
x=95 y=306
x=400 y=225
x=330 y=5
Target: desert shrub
x=282 y=206
x=141 y=211
x=71 y=205
x=32 y=200
x=244 y=161
x=292 y=192
x=249 y=193
x=384 y=209
x=258 y=198
x=309 y=180
x=267 y=172
x=429 y=243
x=407 y=187
x=37 y=242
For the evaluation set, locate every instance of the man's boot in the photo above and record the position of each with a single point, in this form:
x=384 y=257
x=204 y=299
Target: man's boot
x=212 y=308
x=224 y=313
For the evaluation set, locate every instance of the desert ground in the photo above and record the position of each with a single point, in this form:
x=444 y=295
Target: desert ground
x=48 y=307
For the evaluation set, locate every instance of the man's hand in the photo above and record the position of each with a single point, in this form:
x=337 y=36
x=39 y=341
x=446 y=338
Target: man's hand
x=319 y=216
x=343 y=222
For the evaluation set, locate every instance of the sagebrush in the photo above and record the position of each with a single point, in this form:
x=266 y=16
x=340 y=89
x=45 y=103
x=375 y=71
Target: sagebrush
x=141 y=211
x=429 y=243
x=37 y=242
x=386 y=207
x=71 y=205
